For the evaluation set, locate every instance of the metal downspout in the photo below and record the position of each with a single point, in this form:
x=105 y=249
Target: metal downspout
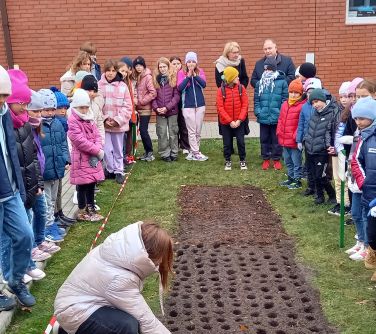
x=6 y=32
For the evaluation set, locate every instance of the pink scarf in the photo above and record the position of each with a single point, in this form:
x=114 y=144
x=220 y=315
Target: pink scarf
x=35 y=121
x=19 y=120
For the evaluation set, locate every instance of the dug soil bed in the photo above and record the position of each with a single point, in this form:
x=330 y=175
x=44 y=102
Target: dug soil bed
x=235 y=269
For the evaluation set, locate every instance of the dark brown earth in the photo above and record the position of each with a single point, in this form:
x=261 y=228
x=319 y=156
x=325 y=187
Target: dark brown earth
x=235 y=269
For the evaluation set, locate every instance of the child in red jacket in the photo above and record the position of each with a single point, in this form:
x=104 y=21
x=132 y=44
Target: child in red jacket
x=232 y=108
x=286 y=132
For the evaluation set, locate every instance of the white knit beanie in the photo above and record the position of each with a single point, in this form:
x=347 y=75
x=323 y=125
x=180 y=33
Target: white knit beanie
x=343 y=90
x=80 y=98
x=191 y=56
x=5 y=84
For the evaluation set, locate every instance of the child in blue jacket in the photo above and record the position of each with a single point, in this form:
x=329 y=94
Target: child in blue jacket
x=55 y=149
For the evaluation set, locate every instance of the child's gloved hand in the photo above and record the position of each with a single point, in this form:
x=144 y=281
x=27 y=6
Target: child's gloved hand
x=372 y=206
x=300 y=146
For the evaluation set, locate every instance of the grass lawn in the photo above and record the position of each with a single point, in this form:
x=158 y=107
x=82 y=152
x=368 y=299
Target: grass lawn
x=347 y=295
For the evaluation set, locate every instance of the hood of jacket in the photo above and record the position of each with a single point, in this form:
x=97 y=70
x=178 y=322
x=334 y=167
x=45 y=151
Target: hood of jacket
x=369 y=131
x=145 y=72
x=126 y=249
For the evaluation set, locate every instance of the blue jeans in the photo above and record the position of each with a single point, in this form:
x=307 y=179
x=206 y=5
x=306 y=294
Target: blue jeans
x=293 y=162
x=18 y=235
x=39 y=219
x=359 y=215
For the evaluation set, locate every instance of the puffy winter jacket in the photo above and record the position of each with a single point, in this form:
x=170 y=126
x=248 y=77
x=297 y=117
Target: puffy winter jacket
x=30 y=168
x=232 y=106
x=268 y=104
x=191 y=88
x=287 y=126
x=304 y=117
x=146 y=92
x=319 y=136
x=67 y=82
x=86 y=143
x=284 y=64
x=168 y=97
x=112 y=274
x=6 y=189
x=55 y=149
x=363 y=164
x=117 y=103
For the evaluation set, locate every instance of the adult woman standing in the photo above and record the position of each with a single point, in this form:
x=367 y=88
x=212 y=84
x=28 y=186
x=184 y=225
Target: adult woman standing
x=231 y=57
x=102 y=294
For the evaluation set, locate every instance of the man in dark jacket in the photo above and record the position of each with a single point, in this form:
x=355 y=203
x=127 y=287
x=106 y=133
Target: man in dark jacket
x=318 y=142
x=284 y=63
x=13 y=219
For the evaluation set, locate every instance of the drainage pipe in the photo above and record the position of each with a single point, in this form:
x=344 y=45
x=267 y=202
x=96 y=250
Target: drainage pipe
x=6 y=32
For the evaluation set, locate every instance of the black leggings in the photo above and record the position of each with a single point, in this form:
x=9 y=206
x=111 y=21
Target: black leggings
x=108 y=320
x=85 y=195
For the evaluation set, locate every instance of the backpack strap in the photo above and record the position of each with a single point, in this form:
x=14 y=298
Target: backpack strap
x=223 y=90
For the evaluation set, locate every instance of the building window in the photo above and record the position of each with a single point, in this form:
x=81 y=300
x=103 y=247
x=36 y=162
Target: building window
x=360 y=11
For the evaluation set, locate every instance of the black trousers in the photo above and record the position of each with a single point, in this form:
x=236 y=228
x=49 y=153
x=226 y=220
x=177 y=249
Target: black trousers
x=85 y=195
x=270 y=149
x=183 y=132
x=310 y=178
x=108 y=320
x=144 y=133
x=318 y=164
x=227 y=134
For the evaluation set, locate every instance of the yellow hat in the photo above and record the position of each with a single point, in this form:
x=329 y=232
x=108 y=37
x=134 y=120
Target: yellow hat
x=230 y=74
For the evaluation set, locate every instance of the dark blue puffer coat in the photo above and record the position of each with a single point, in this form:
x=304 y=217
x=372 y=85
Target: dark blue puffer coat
x=55 y=149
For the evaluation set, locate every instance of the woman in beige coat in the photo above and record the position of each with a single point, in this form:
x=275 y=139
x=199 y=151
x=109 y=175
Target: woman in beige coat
x=103 y=293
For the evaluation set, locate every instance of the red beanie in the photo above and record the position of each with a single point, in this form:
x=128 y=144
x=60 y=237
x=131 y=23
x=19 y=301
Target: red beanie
x=296 y=86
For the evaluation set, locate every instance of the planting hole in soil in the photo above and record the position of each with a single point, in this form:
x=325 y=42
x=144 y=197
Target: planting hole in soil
x=238 y=269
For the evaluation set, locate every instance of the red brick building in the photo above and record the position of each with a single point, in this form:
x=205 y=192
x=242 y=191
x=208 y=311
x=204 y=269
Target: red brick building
x=45 y=35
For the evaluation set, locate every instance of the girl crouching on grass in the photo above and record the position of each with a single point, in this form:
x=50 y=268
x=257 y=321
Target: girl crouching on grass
x=166 y=107
x=87 y=151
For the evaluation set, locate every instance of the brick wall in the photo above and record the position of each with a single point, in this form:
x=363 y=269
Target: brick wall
x=46 y=35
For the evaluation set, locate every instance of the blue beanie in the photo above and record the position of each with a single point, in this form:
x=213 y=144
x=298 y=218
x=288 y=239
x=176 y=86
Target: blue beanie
x=61 y=99
x=128 y=61
x=365 y=107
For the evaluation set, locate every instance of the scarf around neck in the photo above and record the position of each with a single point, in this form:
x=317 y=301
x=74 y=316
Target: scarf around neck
x=162 y=79
x=293 y=101
x=85 y=117
x=267 y=81
x=19 y=120
x=222 y=62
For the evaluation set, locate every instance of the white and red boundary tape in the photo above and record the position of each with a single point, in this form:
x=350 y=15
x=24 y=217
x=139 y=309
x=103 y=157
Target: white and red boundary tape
x=94 y=243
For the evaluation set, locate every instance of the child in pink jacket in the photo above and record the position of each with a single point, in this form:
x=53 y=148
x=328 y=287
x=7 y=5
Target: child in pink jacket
x=117 y=112
x=87 y=151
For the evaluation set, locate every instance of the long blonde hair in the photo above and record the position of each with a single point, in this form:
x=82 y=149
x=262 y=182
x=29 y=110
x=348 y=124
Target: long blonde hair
x=171 y=73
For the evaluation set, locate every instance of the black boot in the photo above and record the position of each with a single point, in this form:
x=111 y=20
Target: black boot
x=331 y=192
x=65 y=219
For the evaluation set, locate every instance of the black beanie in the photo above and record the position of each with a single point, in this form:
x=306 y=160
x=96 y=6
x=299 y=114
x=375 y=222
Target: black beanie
x=307 y=70
x=270 y=63
x=89 y=82
x=139 y=61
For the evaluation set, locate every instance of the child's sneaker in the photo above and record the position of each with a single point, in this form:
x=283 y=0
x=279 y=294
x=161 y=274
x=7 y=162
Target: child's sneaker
x=335 y=210
x=277 y=165
x=82 y=215
x=52 y=234
x=150 y=157
x=360 y=255
x=189 y=156
x=287 y=182
x=38 y=255
x=36 y=274
x=296 y=184
x=119 y=178
x=26 y=279
x=354 y=249
x=185 y=151
x=243 y=165
x=94 y=216
x=228 y=165
x=143 y=157
x=199 y=157
x=49 y=247
x=22 y=294
x=265 y=165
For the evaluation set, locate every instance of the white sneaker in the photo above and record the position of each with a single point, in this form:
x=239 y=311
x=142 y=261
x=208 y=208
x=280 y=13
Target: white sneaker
x=199 y=157
x=75 y=199
x=228 y=165
x=354 y=249
x=189 y=157
x=97 y=208
x=185 y=151
x=36 y=274
x=243 y=165
x=359 y=255
x=26 y=279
